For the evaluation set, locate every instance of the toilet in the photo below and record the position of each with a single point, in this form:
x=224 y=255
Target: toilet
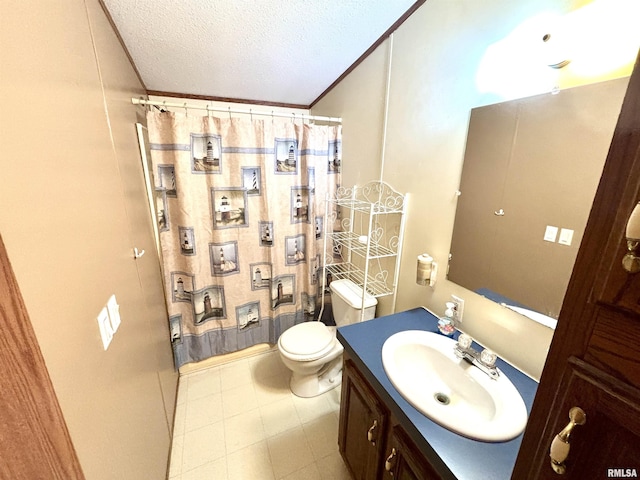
x=311 y=350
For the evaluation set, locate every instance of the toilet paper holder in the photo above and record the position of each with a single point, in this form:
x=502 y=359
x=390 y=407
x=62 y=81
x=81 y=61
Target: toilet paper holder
x=427 y=270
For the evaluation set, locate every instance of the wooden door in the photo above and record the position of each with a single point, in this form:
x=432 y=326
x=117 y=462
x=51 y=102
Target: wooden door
x=594 y=359
x=486 y=163
x=34 y=440
x=362 y=426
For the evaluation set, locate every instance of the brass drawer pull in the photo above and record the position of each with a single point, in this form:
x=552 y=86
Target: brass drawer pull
x=371 y=433
x=560 y=445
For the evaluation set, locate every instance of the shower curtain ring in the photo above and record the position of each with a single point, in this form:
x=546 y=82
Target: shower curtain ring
x=251 y=114
x=229 y=113
x=186 y=112
x=293 y=118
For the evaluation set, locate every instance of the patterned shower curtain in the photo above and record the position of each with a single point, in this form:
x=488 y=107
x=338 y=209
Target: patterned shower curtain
x=240 y=210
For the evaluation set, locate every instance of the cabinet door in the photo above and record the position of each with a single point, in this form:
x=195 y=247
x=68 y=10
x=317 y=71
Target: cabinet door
x=608 y=444
x=362 y=426
x=404 y=461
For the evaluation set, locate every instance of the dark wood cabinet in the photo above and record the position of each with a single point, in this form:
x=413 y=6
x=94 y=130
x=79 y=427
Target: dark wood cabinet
x=610 y=438
x=372 y=442
x=363 y=422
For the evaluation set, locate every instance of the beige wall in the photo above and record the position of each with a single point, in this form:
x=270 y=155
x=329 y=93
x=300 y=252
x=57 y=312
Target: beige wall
x=72 y=209
x=436 y=55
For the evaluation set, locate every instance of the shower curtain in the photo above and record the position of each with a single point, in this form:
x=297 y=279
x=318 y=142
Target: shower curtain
x=240 y=211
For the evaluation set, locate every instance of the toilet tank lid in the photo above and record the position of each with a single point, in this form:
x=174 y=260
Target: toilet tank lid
x=352 y=293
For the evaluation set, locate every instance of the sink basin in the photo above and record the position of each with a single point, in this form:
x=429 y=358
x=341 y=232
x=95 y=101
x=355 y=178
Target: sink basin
x=450 y=391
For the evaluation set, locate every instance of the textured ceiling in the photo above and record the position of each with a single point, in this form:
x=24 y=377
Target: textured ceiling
x=264 y=50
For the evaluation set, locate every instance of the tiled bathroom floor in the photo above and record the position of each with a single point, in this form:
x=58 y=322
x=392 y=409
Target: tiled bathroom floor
x=241 y=421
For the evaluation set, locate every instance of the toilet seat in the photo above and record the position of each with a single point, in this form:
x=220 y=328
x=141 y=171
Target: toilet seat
x=307 y=341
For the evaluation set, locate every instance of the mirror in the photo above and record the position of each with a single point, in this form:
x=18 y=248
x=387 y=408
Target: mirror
x=531 y=169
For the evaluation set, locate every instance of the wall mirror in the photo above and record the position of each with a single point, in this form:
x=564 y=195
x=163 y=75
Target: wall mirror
x=531 y=169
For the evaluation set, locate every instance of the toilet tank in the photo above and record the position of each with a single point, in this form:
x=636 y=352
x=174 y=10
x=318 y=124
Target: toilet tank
x=346 y=301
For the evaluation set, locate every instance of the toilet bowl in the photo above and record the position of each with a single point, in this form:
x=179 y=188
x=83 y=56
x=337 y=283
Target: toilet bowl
x=311 y=350
x=314 y=355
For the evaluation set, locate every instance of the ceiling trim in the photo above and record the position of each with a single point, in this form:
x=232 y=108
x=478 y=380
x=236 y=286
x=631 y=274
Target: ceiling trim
x=353 y=66
x=209 y=98
x=122 y=44
x=370 y=50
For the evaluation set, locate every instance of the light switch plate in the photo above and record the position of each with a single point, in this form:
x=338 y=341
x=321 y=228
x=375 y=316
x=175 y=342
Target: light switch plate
x=550 y=233
x=114 y=313
x=105 y=327
x=566 y=236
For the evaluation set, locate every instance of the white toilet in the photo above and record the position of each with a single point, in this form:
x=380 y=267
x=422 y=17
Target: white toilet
x=311 y=350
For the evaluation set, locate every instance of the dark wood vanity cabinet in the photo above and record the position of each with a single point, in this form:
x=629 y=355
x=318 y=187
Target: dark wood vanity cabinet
x=372 y=442
x=363 y=423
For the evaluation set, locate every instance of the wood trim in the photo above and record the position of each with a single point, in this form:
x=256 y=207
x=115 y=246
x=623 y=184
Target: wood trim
x=613 y=346
x=225 y=99
x=122 y=44
x=370 y=50
x=605 y=382
x=35 y=442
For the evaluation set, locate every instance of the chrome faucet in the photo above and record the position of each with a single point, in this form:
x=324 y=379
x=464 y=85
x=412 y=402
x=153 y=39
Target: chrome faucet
x=485 y=360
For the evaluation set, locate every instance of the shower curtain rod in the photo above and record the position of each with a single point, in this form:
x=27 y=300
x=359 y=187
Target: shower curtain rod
x=186 y=106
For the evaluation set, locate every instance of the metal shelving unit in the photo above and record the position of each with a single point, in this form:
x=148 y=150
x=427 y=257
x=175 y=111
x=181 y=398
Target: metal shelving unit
x=365 y=227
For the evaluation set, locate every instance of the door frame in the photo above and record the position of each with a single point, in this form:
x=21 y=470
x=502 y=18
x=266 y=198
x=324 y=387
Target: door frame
x=36 y=443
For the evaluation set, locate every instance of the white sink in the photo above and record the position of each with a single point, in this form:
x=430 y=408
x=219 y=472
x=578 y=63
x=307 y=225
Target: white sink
x=450 y=391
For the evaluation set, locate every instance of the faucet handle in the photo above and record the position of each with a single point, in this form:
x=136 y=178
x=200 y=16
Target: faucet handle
x=464 y=341
x=488 y=358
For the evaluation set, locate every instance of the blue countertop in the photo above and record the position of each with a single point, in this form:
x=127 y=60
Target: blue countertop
x=454 y=456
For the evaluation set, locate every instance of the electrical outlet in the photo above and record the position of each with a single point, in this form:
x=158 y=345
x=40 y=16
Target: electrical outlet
x=458 y=309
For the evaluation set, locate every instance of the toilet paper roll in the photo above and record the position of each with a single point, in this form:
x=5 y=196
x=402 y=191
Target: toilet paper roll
x=423 y=273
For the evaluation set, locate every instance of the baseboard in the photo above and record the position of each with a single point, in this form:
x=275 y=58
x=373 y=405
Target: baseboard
x=226 y=358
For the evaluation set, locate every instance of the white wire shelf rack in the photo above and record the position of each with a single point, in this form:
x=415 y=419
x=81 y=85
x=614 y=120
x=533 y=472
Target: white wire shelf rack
x=353 y=242
x=367 y=207
x=375 y=287
x=363 y=243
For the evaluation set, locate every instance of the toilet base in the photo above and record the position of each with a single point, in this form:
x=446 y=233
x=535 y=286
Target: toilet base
x=307 y=386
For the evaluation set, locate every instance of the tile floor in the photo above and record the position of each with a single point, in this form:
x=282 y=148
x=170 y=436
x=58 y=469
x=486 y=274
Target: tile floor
x=241 y=421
